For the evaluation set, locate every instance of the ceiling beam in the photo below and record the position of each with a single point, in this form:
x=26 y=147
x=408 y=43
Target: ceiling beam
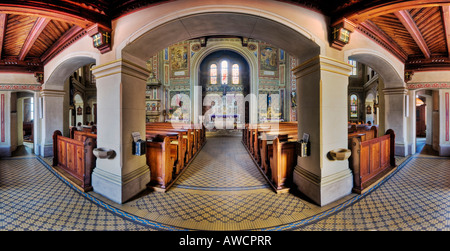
x=71 y=35
x=446 y=18
x=2 y=31
x=407 y=21
x=38 y=27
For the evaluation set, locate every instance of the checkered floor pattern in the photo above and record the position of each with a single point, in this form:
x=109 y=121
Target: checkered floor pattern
x=223 y=190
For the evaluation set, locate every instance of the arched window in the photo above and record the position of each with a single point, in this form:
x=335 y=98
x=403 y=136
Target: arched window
x=354 y=68
x=224 y=72
x=353 y=106
x=213 y=74
x=235 y=74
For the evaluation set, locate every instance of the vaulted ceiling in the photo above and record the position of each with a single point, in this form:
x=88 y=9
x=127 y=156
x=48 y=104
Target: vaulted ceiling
x=32 y=32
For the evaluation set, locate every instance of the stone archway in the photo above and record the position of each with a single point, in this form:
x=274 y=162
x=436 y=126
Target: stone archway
x=125 y=78
x=52 y=96
x=393 y=98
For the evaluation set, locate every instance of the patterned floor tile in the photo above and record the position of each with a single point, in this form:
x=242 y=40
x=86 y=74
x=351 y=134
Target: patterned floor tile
x=223 y=190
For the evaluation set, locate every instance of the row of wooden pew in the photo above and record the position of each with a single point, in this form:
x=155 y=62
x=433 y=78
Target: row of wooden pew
x=169 y=149
x=273 y=148
x=372 y=156
x=73 y=157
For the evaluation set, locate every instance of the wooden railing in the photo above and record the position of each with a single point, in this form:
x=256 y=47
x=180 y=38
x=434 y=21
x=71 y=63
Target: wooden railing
x=371 y=158
x=75 y=158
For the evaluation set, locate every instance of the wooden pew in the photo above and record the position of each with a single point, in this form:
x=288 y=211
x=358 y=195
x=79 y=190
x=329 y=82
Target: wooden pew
x=254 y=132
x=282 y=162
x=160 y=161
x=184 y=140
x=74 y=159
x=371 y=159
x=273 y=151
x=266 y=147
x=290 y=131
x=176 y=141
x=196 y=136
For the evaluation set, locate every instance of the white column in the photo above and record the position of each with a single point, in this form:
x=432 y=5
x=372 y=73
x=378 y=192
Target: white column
x=322 y=113
x=121 y=111
x=411 y=121
x=395 y=117
x=52 y=111
x=5 y=124
x=444 y=118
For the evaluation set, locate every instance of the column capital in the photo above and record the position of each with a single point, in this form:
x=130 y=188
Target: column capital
x=322 y=63
x=395 y=91
x=52 y=93
x=121 y=66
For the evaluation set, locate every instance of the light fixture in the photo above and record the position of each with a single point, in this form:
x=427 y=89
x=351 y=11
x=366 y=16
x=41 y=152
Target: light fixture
x=419 y=102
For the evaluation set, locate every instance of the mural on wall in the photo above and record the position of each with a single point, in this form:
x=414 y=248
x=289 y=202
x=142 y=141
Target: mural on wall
x=179 y=60
x=268 y=60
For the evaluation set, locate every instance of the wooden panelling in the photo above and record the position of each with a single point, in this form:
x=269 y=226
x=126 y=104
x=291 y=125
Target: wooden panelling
x=430 y=23
x=54 y=30
x=17 y=29
x=390 y=24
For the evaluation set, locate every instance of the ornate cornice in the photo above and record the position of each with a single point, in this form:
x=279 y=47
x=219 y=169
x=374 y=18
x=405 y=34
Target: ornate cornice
x=431 y=85
x=20 y=87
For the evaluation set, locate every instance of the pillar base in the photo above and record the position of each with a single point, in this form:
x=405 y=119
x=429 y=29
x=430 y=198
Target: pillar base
x=117 y=188
x=444 y=150
x=323 y=190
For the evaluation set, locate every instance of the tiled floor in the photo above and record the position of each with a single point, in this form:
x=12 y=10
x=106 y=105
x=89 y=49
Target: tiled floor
x=223 y=190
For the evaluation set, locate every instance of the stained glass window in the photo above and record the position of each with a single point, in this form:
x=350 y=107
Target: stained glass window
x=353 y=106
x=213 y=74
x=354 y=69
x=235 y=74
x=224 y=72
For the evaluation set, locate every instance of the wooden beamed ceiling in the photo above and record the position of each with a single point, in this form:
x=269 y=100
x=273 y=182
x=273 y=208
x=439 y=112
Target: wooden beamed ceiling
x=417 y=32
x=32 y=32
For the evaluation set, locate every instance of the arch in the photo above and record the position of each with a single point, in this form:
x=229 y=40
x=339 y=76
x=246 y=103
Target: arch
x=235 y=22
x=198 y=58
x=65 y=68
x=392 y=77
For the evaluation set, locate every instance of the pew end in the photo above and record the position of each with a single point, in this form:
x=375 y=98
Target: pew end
x=371 y=160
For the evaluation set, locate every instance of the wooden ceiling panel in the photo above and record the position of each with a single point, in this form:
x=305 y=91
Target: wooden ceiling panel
x=430 y=23
x=17 y=29
x=390 y=24
x=52 y=32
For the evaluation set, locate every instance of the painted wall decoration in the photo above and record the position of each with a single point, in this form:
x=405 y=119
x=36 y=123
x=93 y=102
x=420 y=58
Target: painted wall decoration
x=2 y=112
x=447 y=136
x=427 y=85
x=268 y=60
x=179 y=60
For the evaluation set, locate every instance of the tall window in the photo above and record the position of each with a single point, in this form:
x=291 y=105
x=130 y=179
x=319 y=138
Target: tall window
x=353 y=106
x=32 y=108
x=354 y=69
x=235 y=74
x=224 y=72
x=213 y=74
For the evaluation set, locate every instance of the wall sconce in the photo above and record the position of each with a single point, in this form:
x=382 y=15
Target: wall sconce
x=340 y=35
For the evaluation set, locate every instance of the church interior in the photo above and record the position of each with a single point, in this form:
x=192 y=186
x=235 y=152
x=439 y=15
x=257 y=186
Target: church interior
x=293 y=115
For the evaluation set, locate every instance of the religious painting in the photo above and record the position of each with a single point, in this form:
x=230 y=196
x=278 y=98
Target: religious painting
x=88 y=110
x=179 y=60
x=268 y=61
x=353 y=106
x=79 y=110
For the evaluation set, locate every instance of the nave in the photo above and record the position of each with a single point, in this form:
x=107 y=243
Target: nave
x=222 y=190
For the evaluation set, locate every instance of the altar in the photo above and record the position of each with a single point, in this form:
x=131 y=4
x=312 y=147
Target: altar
x=224 y=121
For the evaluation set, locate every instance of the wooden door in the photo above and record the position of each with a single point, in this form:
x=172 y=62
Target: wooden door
x=420 y=121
